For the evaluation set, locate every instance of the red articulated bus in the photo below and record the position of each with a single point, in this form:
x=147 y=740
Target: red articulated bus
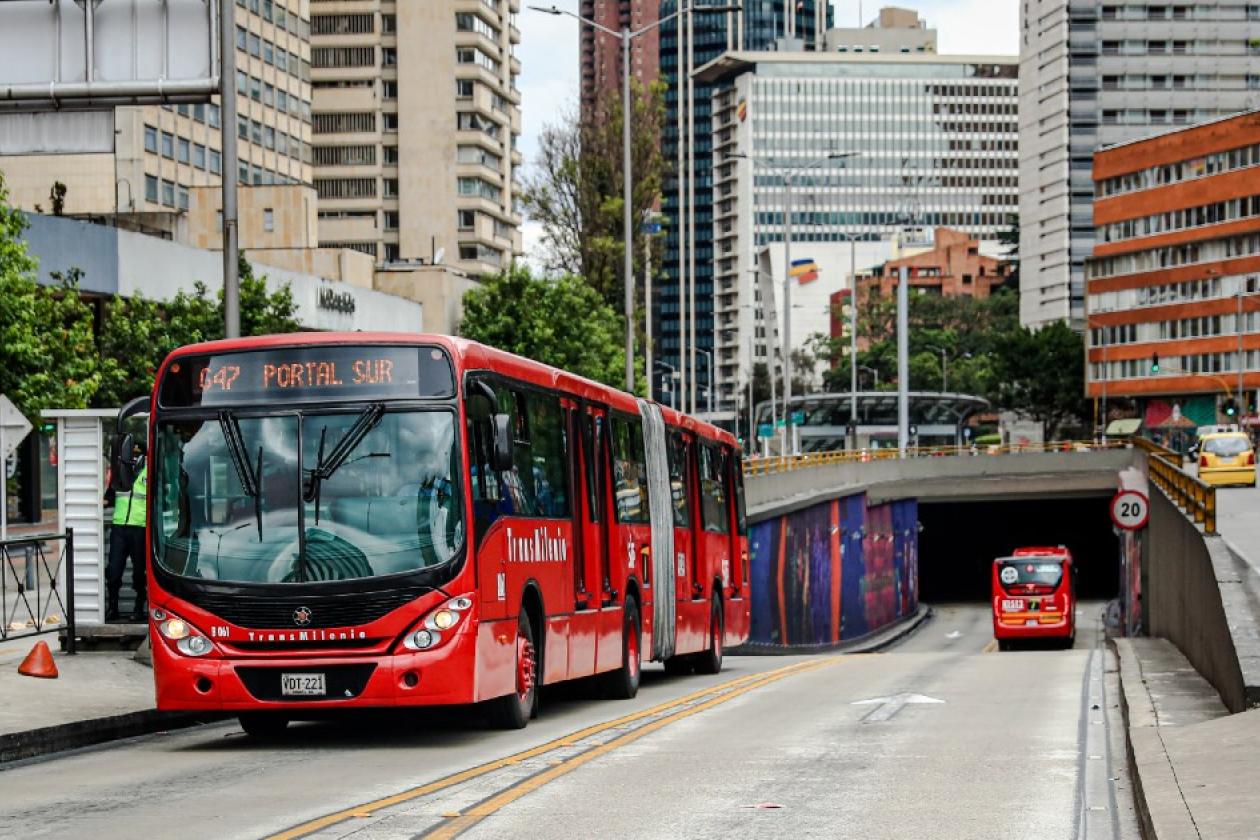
x=367 y=520
x=1034 y=596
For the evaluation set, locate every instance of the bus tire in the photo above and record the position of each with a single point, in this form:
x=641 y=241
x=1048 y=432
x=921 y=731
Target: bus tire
x=623 y=683
x=513 y=711
x=1004 y=645
x=710 y=660
x=263 y=724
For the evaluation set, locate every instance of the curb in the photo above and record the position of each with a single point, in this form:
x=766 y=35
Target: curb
x=33 y=743
x=1145 y=751
x=870 y=643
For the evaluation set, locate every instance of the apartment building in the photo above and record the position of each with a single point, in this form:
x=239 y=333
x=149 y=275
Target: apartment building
x=1095 y=73
x=893 y=30
x=143 y=166
x=415 y=123
x=924 y=140
x=601 y=52
x=1174 y=280
x=953 y=267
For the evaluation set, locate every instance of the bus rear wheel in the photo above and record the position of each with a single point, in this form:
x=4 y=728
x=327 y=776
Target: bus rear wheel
x=623 y=684
x=710 y=661
x=263 y=724
x=513 y=711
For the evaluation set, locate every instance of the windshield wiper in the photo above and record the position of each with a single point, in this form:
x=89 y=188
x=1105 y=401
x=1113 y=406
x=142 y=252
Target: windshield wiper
x=325 y=467
x=250 y=479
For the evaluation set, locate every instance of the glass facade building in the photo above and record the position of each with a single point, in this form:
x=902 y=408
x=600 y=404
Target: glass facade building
x=934 y=143
x=761 y=25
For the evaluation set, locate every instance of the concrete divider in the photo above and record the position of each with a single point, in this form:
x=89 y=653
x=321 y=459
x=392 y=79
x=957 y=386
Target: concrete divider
x=1192 y=595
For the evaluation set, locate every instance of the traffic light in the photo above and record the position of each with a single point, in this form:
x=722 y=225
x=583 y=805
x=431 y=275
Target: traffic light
x=1154 y=363
x=1230 y=407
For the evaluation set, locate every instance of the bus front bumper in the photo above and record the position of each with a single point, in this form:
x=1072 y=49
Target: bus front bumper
x=442 y=676
x=1031 y=626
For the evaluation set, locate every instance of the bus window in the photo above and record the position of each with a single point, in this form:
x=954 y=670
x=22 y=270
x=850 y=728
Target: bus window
x=713 y=491
x=590 y=460
x=677 y=455
x=629 y=471
x=741 y=515
x=548 y=455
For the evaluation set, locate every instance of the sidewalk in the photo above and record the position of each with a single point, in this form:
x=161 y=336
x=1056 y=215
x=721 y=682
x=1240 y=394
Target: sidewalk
x=1194 y=765
x=98 y=696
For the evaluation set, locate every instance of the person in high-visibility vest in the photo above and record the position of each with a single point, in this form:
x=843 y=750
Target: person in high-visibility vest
x=126 y=540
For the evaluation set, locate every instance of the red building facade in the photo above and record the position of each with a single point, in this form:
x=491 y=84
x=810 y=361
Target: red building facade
x=601 y=52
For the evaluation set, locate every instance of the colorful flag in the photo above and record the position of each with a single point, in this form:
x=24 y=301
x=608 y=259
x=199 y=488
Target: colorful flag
x=805 y=271
x=742 y=110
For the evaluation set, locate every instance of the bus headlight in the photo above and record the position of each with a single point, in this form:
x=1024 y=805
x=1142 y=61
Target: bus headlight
x=443 y=619
x=421 y=640
x=175 y=629
x=194 y=646
x=185 y=638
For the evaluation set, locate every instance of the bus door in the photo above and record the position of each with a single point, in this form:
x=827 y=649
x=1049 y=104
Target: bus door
x=735 y=577
x=589 y=529
x=682 y=491
x=629 y=527
x=713 y=531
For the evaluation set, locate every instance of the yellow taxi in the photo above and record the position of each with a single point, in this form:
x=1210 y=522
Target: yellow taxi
x=1227 y=458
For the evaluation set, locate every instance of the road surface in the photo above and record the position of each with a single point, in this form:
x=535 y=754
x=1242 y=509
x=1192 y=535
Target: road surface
x=940 y=736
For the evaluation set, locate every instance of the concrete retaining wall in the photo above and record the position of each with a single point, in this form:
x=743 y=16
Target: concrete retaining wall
x=1182 y=598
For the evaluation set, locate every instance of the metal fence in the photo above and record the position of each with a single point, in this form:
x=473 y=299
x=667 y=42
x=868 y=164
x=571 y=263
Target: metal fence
x=1196 y=499
x=30 y=600
x=784 y=463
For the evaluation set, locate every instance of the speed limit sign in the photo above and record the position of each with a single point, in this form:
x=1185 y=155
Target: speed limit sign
x=1130 y=510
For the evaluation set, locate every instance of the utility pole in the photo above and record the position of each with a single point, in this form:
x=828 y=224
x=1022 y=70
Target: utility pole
x=647 y=306
x=853 y=321
x=227 y=130
x=627 y=108
x=903 y=361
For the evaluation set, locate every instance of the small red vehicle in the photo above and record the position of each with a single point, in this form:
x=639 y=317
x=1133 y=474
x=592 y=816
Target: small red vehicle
x=1034 y=596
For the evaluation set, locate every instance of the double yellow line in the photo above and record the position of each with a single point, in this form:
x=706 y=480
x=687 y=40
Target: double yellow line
x=461 y=822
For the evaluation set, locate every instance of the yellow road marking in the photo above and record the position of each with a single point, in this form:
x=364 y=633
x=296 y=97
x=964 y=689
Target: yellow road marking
x=990 y=647
x=460 y=824
x=565 y=741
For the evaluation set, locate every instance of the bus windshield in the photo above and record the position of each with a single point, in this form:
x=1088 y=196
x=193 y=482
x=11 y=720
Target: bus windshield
x=1040 y=571
x=307 y=497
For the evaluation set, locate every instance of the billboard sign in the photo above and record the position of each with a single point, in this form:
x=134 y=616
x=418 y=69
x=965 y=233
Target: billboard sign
x=102 y=53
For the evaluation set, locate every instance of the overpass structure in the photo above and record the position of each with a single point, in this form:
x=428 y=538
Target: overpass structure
x=843 y=544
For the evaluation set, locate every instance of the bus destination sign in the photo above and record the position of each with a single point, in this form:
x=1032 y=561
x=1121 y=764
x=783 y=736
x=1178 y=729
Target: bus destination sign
x=287 y=374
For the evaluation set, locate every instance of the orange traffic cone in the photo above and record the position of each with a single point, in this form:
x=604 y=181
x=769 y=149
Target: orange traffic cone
x=39 y=663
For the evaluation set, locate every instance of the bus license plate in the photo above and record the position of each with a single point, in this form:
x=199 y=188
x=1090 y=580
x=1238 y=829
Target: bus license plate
x=302 y=685
x=1012 y=605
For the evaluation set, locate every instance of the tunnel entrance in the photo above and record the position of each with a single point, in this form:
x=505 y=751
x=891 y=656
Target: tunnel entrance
x=959 y=541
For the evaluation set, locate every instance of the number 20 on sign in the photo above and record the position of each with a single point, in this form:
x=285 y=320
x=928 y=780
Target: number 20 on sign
x=1130 y=510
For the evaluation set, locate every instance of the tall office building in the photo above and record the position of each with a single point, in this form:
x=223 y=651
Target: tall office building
x=788 y=25
x=416 y=120
x=1094 y=73
x=931 y=142
x=146 y=167
x=601 y=52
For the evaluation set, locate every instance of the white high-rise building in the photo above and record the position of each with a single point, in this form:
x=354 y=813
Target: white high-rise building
x=1098 y=72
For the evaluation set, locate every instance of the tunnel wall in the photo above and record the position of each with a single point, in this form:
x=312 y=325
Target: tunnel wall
x=1182 y=598
x=832 y=572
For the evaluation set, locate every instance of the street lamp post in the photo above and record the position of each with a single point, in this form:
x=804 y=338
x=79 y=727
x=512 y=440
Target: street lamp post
x=626 y=35
x=873 y=372
x=788 y=174
x=708 y=356
x=673 y=375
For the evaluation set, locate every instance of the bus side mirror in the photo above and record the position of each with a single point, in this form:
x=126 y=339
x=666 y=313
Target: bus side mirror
x=501 y=458
x=122 y=472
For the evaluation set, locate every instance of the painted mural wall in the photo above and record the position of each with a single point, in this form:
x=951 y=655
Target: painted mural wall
x=833 y=572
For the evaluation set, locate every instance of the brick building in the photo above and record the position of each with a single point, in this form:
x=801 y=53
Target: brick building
x=1175 y=270
x=953 y=267
x=601 y=53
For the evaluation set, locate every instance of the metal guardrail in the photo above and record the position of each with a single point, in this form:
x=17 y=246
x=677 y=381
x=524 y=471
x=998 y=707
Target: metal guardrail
x=785 y=463
x=30 y=603
x=1196 y=499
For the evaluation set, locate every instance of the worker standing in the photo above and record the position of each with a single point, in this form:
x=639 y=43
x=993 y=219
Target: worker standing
x=126 y=540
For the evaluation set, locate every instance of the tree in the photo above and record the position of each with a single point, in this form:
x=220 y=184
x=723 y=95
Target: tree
x=575 y=192
x=138 y=333
x=560 y=321
x=47 y=357
x=1043 y=375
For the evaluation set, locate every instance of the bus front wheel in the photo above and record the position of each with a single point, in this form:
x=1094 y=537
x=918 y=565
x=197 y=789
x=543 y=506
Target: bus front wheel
x=710 y=661
x=513 y=711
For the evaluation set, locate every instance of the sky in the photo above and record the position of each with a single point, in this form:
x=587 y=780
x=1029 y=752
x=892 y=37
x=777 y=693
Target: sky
x=549 y=55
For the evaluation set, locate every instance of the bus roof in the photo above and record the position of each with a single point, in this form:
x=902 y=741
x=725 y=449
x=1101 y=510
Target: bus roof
x=470 y=355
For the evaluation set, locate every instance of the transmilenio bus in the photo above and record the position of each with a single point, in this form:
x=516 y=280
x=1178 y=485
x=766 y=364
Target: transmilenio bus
x=367 y=520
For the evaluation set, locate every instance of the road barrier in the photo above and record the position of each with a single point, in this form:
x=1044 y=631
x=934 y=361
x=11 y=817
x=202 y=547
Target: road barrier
x=30 y=602
x=1196 y=499
x=785 y=463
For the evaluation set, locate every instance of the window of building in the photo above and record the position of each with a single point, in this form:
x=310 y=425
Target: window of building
x=199 y=156
x=390 y=121
x=150 y=188
x=343 y=57
x=391 y=220
x=255 y=45
x=389 y=56
x=467 y=219
x=391 y=155
x=389 y=89
x=168 y=145
x=391 y=187
x=269 y=220
x=464 y=88
x=181 y=197
x=389 y=23
x=183 y=151
x=150 y=139
x=216 y=162
x=344 y=123
x=168 y=193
